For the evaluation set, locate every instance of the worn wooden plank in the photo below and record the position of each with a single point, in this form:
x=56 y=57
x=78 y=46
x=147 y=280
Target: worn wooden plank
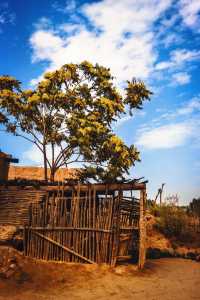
x=142 y=230
x=84 y=187
x=63 y=247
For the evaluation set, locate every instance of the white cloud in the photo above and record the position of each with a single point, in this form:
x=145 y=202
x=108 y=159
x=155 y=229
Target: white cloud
x=178 y=58
x=169 y=22
x=68 y=7
x=191 y=107
x=189 y=10
x=122 y=39
x=183 y=126
x=34 y=156
x=188 y=110
x=45 y=45
x=121 y=121
x=6 y=15
x=43 y=23
x=180 y=78
x=125 y=119
x=172 y=39
x=167 y=136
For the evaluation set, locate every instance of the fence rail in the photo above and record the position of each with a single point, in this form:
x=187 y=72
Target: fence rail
x=82 y=227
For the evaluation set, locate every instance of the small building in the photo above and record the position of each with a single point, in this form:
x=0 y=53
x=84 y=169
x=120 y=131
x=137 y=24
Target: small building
x=93 y=223
x=5 y=160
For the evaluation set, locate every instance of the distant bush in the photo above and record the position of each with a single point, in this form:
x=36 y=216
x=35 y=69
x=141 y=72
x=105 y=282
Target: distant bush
x=154 y=210
x=172 y=221
x=194 y=208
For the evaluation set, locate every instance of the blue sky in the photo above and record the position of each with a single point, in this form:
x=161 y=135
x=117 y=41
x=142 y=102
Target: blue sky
x=157 y=41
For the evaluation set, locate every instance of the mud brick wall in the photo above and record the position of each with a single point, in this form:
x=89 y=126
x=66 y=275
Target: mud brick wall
x=37 y=173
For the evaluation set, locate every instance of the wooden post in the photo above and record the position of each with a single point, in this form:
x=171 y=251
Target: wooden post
x=24 y=241
x=142 y=230
x=116 y=228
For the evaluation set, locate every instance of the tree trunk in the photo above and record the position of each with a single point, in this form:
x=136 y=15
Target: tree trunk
x=52 y=175
x=53 y=170
x=45 y=163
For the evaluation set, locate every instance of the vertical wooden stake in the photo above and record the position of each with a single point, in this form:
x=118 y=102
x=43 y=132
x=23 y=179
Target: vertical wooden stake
x=116 y=228
x=24 y=241
x=142 y=230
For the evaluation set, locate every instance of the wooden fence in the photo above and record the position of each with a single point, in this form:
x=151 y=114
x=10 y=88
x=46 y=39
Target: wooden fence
x=86 y=225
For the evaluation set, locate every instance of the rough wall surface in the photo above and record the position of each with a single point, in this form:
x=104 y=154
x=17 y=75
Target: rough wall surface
x=14 y=205
x=37 y=173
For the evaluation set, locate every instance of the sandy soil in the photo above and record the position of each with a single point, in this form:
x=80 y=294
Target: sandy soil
x=166 y=279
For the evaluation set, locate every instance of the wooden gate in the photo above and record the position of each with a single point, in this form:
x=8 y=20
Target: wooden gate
x=82 y=227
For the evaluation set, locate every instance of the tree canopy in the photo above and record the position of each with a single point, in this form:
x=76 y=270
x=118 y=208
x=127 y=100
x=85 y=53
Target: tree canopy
x=72 y=111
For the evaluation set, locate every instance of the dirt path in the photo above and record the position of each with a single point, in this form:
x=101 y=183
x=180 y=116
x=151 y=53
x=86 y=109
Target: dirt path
x=166 y=279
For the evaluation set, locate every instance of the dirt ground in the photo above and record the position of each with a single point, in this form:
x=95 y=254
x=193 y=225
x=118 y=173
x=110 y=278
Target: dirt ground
x=166 y=279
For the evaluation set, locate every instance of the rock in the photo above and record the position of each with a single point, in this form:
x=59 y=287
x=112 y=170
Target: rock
x=119 y=270
x=12 y=259
x=2 y=275
x=153 y=253
x=198 y=258
x=9 y=262
x=7 y=232
x=9 y=273
x=3 y=272
x=13 y=266
x=171 y=252
x=192 y=255
x=21 y=276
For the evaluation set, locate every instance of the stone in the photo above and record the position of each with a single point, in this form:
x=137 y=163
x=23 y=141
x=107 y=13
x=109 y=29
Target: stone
x=7 y=232
x=198 y=258
x=12 y=259
x=13 y=266
x=9 y=273
x=192 y=255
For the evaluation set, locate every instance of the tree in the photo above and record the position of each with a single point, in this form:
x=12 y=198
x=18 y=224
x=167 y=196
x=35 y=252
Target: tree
x=72 y=109
x=194 y=207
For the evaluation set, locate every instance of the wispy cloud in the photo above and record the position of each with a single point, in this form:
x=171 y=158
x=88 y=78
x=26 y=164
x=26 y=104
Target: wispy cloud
x=180 y=78
x=187 y=110
x=167 y=136
x=189 y=10
x=6 y=15
x=125 y=119
x=172 y=128
x=172 y=39
x=43 y=23
x=69 y=6
x=35 y=157
x=121 y=121
x=128 y=47
x=193 y=106
x=178 y=58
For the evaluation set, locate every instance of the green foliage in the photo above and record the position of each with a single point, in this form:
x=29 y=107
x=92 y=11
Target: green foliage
x=136 y=93
x=172 y=221
x=73 y=109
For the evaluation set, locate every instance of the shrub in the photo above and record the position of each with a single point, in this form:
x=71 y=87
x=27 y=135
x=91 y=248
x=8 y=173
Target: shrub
x=172 y=221
x=154 y=210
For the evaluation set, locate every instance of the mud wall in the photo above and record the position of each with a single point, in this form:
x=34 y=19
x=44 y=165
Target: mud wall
x=37 y=173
